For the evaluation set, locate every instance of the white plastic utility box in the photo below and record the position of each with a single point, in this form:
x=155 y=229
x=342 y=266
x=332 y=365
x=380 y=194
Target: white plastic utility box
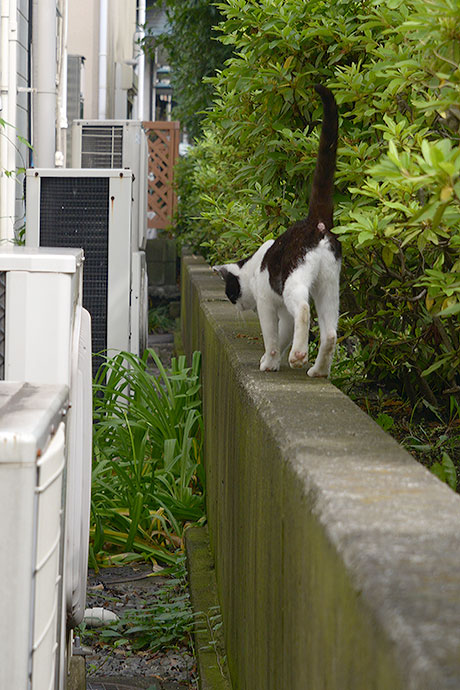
x=32 y=463
x=41 y=298
x=47 y=340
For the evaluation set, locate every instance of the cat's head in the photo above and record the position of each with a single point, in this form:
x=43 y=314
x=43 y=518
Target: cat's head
x=236 y=285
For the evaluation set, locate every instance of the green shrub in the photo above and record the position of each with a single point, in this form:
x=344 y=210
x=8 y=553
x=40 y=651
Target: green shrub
x=193 y=53
x=394 y=69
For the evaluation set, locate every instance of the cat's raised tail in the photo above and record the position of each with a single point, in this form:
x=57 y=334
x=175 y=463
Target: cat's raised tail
x=321 y=196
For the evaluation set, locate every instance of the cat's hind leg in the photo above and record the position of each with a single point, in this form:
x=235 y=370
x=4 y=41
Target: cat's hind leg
x=268 y=318
x=298 y=356
x=327 y=307
x=285 y=329
x=296 y=301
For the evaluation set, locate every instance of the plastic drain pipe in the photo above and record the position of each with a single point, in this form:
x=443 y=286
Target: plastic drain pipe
x=140 y=60
x=103 y=19
x=44 y=44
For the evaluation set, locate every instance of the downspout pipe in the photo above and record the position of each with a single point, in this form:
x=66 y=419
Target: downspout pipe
x=140 y=60
x=103 y=21
x=61 y=114
x=44 y=45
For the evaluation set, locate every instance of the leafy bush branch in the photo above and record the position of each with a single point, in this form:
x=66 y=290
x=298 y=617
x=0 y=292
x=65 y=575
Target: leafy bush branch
x=395 y=71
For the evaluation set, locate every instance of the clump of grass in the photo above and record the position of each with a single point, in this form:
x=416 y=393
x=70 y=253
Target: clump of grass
x=148 y=480
x=160 y=320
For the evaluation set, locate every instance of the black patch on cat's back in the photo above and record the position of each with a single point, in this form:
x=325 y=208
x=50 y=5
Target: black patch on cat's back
x=290 y=248
x=241 y=262
x=232 y=287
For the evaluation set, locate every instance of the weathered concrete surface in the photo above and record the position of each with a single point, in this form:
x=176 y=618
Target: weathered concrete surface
x=208 y=634
x=77 y=674
x=337 y=555
x=161 y=261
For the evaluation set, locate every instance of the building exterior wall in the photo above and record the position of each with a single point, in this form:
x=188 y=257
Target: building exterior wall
x=22 y=123
x=83 y=39
x=120 y=51
x=23 y=153
x=22 y=94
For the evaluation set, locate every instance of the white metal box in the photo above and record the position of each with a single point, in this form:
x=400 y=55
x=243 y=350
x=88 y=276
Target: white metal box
x=47 y=339
x=91 y=209
x=116 y=144
x=32 y=464
x=42 y=291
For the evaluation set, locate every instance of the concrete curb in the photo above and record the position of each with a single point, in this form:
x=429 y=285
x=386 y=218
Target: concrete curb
x=209 y=643
x=77 y=674
x=337 y=555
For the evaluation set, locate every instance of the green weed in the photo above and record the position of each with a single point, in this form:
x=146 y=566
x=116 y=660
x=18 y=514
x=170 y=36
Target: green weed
x=148 y=480
x=165 y=624
x=159 y=319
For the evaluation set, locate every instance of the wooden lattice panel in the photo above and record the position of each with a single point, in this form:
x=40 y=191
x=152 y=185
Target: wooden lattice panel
x=163 y=144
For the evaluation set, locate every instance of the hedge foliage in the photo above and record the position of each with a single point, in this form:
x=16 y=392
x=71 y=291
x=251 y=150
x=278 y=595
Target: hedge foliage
x=394 y=68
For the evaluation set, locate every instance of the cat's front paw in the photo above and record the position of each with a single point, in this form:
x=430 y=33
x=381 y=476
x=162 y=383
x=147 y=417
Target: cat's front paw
x=317 y=373
x=297 y=359
x=270 y=361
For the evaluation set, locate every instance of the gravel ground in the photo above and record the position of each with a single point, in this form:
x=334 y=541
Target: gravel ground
x=119 y=589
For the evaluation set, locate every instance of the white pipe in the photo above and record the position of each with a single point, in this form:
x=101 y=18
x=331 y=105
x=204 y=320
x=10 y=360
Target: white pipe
x=154 y=82
x=61 y=124
x=8 y=90
x=103 y=21
x=44 y=44
x=4 y=54
x=141 y=61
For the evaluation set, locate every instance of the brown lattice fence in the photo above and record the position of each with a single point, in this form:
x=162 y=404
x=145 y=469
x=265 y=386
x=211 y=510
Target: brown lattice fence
x=163 y=144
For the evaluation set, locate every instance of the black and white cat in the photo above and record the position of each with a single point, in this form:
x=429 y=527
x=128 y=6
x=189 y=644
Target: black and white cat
x=278 y=280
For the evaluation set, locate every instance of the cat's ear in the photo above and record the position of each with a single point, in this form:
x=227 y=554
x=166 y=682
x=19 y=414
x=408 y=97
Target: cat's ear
x=222 y=271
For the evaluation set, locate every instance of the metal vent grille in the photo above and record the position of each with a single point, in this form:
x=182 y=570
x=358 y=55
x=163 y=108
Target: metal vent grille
x=102 y=146
x=2 y=323
x=74 y=212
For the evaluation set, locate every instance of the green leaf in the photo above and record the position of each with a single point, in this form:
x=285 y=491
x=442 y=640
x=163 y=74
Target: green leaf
x=445 y=471
x=387 y=255
x=385 y=421
x=450 y=311
x=450 y=471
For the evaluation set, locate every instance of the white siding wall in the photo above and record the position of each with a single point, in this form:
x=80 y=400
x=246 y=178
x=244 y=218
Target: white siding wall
x=120 y=48
x=83 y=39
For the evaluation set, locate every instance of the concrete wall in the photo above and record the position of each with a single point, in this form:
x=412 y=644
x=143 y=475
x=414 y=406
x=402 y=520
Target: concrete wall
x=337 y=555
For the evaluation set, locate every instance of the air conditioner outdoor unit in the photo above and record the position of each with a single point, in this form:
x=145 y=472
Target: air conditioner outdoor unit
x=47 y=340
x=32 y=469
x=116 y=144
x=92 y=209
